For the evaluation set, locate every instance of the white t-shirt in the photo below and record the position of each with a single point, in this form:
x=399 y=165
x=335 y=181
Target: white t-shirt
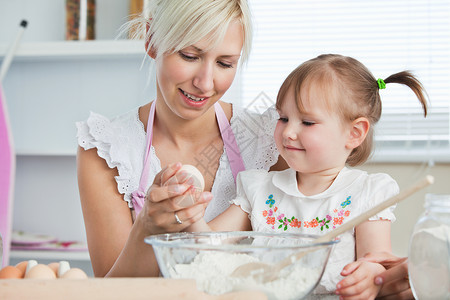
x=121 y=142
x=275 y=204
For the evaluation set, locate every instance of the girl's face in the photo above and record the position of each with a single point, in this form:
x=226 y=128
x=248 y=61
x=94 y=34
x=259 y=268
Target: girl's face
x=192 y=80
x=313 y=141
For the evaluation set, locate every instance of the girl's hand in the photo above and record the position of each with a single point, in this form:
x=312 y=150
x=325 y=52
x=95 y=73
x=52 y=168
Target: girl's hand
x=163 y=200
x=394 y=281
x=359 y=281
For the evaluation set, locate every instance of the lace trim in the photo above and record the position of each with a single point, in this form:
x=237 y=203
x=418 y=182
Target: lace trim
x=99 y=132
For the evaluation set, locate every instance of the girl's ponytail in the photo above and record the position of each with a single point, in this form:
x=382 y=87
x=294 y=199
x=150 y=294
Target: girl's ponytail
x=408 y=79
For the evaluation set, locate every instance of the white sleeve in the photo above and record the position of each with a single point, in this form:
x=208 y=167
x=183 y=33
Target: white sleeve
x=113 y=145
x=247 y=182
x=380 y=188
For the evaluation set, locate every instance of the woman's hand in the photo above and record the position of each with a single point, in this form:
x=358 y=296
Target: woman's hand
x=394 y=281
x=359 y=281
x=162 y=211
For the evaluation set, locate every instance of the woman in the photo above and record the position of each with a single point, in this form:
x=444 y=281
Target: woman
x=196 y=47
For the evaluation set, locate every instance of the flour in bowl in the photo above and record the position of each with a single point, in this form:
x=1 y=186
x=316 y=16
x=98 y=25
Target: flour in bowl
x=212 y=270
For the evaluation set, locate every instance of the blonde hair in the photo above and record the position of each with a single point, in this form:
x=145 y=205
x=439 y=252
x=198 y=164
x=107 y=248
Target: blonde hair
x=351 y=89
x=172 y=25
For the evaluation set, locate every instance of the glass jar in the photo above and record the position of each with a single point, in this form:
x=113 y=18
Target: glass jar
x=429 y=250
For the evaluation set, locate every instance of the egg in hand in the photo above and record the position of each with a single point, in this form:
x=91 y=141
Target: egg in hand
x=198 y=183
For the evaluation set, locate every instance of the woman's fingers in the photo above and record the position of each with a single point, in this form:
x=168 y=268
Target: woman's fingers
x=398 y=289
x=385 y=258
x=179 y=177
x=404 y=295
x=397 y=272
x=190 y=215
x=395 y=282
x=166 y=173
x=156 y=193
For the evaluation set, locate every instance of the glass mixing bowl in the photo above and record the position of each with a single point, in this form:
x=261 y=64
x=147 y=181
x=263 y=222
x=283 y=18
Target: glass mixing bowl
x=211 y=257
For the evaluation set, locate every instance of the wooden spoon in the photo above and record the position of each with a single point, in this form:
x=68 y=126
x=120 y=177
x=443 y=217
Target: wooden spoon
x=264 y=272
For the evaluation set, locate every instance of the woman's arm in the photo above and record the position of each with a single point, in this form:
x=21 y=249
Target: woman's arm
x=106 y=215
x=116 y=245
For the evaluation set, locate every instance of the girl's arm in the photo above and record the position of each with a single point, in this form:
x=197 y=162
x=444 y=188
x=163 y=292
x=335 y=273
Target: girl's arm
x=232 y=219
x=370 y=236
x=116 y=244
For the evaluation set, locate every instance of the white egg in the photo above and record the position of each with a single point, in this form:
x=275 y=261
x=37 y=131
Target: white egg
x=193 y=172
x=199 y=184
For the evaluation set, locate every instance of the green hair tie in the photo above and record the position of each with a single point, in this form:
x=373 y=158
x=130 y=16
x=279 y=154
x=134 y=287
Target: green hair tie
x=381 y=84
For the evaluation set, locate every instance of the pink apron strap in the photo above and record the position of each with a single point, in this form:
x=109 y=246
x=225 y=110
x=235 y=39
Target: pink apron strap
x=229 y=141
x=138 y=196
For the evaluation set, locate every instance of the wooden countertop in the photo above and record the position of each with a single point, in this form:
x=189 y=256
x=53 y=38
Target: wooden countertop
x=112 y=288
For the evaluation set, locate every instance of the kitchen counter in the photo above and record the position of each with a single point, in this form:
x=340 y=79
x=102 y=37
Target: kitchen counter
x=119 y=288
x=112 y=288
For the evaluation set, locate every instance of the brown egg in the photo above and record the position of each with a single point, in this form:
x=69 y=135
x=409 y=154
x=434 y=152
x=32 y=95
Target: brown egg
x=54 y=266
x=40 y=271
x=22 y=266
x=74 y=273
x=10 y=272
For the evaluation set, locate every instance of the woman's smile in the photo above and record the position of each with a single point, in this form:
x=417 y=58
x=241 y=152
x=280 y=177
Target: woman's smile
x=193 y=100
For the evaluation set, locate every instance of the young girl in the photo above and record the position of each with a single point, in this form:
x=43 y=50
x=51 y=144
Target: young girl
x=328 y=107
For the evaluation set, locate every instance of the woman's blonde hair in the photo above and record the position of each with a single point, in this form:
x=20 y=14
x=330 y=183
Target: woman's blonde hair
x=171 y=25
x=348 y=88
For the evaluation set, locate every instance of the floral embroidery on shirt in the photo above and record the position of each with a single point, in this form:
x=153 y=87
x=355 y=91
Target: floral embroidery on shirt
x=270 y=201
x=285 y=222
x=332 y=220
x=346 y=202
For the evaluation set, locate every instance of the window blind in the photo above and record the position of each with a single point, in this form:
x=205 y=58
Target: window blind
x=388 y=37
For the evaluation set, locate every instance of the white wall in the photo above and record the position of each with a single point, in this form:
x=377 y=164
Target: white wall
x=408 y=211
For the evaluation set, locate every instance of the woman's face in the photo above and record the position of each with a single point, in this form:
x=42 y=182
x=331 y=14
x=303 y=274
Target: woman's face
x=191 y=80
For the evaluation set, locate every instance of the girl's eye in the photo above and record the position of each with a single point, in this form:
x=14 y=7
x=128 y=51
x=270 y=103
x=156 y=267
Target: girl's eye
x=283 y=120
x=187 y=57
x=224 y=65
x=308 y=123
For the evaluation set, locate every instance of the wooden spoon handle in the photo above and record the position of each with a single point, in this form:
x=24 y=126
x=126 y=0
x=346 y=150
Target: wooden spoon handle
x=427 y=180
